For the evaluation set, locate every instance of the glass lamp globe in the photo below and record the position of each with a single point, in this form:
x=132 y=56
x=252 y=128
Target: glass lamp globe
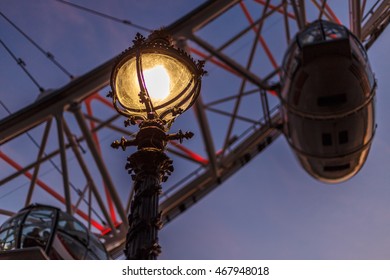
x=153 y=79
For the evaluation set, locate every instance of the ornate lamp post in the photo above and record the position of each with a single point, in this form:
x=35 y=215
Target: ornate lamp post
x=152 y=83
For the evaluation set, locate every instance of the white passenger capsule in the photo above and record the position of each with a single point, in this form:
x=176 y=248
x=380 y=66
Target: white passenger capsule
x=327 y=94
x=39 y=232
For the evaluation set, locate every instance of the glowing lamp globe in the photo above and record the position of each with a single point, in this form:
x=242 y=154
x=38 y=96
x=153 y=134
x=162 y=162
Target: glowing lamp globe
x=153 y=79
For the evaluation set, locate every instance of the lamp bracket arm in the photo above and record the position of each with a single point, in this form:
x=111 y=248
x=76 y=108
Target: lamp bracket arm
x=180 y=136
x=124 y=143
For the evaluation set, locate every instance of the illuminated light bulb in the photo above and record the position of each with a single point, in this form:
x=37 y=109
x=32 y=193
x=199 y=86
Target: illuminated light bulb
x=157 y=82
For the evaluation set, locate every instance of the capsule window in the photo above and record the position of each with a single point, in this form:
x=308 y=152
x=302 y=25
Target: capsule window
x=332 y=100
x=327 y=139
x=335 y=168
x=343 y=137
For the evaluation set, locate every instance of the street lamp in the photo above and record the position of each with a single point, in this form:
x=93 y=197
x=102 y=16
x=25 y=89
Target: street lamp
x=152 y=83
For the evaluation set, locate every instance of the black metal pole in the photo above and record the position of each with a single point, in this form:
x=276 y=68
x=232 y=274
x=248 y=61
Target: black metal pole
x=149 y=167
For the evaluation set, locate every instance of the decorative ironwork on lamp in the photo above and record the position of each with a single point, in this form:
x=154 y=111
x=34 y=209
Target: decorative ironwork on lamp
x=152 y=83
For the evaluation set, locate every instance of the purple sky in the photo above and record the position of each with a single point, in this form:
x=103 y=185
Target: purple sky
x=270 y=209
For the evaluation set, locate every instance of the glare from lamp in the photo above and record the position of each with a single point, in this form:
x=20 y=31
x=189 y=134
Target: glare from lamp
x=157 y=82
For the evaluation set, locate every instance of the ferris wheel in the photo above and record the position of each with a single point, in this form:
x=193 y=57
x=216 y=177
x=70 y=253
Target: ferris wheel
x=56 y=150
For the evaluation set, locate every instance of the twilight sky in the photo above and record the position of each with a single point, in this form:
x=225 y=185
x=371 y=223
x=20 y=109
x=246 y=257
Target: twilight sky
x=270 y=209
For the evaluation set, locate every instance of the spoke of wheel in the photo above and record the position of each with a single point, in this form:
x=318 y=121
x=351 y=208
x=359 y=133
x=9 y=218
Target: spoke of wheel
x=38 y=165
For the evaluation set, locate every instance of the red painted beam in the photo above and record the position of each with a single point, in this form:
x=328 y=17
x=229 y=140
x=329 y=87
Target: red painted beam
x=273 y=7
x=50 y=191
x=261 y=39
